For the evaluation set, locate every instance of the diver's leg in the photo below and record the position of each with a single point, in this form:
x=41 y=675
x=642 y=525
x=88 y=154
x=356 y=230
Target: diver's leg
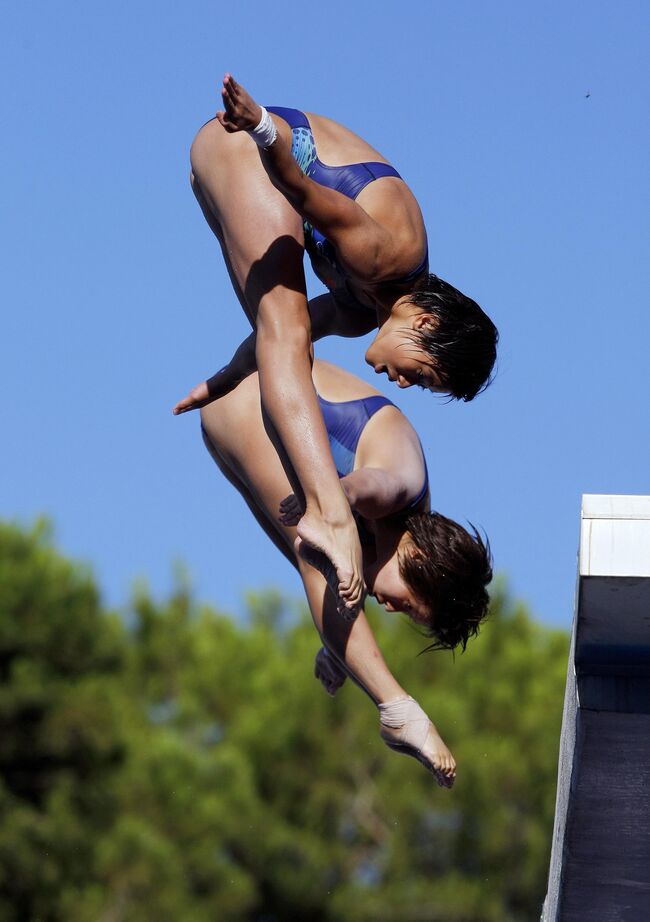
x=232 y=476
x=215 y=227
x=236 y=437
x=262 y=236
x=234 y=434
x=404 y=725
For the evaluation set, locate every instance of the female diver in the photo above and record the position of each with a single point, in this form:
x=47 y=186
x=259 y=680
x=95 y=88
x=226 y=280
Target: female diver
x=414 y=561
x=272 y=183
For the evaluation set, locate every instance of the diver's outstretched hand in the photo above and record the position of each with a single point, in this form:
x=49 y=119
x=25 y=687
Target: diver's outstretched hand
x=221 y=383
x=205 y=392
x=328 y=671
x=240 y=112
x=406 y=728
x=198 y=397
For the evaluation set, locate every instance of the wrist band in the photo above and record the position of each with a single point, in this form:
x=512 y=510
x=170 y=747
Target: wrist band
x=266 y=132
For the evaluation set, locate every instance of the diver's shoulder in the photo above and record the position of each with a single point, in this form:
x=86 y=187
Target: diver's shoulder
x=335 y=383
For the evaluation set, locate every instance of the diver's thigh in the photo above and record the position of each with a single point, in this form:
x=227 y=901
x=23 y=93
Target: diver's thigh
x=239 y=445
x=250 y=216
x=235 y=428
x=215 y=227
x=234 y=419
x=273 y=530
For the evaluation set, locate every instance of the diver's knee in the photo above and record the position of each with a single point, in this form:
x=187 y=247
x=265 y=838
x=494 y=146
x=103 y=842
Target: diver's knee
x=211 y=418
x=204 y=147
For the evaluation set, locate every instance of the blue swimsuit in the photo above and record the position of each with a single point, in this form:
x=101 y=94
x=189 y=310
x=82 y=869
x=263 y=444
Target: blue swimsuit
x=345 y=422
x=348 y=180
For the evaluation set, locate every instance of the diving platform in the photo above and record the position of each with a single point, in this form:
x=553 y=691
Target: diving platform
x=600 y=859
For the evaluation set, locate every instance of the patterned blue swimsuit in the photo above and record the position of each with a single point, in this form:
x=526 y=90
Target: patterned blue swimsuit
x=349 y=180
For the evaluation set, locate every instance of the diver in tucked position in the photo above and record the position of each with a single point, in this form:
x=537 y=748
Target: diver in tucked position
x=272 y=183
x=414 y=561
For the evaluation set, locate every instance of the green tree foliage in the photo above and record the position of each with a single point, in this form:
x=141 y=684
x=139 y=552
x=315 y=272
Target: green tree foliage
x=61 y=738
x=177 y=765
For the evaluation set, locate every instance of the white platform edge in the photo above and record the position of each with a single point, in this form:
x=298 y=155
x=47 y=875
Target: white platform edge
x=615 y=535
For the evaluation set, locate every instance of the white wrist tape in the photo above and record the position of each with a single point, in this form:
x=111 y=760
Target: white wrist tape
x=266 y=132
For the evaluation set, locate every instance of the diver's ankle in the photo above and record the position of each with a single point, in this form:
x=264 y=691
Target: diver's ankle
x=333 y=515
x=390 y=693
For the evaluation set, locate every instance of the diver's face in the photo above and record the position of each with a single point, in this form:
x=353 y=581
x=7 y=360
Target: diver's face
x=386 y=584
x=395 y=352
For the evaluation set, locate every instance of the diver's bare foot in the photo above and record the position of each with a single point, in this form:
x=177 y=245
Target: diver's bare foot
x=439 y=756
x=341 y=547
x=325 y=567
x=406 y=728
x=328 y=672
x=240 y=112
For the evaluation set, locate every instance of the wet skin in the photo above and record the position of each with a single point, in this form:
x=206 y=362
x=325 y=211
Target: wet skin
x=379 y=237
x=240 y=446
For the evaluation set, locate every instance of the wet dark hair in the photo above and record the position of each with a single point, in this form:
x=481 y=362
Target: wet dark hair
x=463 y=340
x=448 y=569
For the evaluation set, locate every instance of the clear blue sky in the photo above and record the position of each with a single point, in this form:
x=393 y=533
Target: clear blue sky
x=115 y=300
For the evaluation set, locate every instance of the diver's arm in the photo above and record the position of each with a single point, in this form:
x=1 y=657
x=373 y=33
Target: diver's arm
x=371 y=492
x=358 y=238
x=328 y=318
x=362 y=242
x=241 y=365
x=375 y=493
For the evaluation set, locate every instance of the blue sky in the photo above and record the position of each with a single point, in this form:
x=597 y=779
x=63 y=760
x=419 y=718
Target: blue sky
x=115 y=300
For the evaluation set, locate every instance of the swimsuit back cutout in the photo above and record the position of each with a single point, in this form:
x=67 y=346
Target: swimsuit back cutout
x=349 y=180
x=345 y=422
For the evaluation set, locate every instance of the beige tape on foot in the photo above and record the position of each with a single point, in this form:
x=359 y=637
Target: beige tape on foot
x=406 y=715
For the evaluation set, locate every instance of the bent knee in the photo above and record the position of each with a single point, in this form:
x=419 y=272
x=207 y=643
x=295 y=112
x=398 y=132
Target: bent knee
x=218 y=453
x=203 y=147
x=233 y=414
x=212 y=147
x=213 y=427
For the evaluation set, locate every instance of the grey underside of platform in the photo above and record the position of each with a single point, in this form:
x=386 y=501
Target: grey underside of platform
x=600 y=866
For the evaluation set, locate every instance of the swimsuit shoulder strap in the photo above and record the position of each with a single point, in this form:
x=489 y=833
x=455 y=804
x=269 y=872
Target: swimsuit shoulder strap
x=375 y=403
x=294 y=117
x=380 y=170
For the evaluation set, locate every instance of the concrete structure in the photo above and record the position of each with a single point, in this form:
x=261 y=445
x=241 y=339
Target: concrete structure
x=600 y=861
